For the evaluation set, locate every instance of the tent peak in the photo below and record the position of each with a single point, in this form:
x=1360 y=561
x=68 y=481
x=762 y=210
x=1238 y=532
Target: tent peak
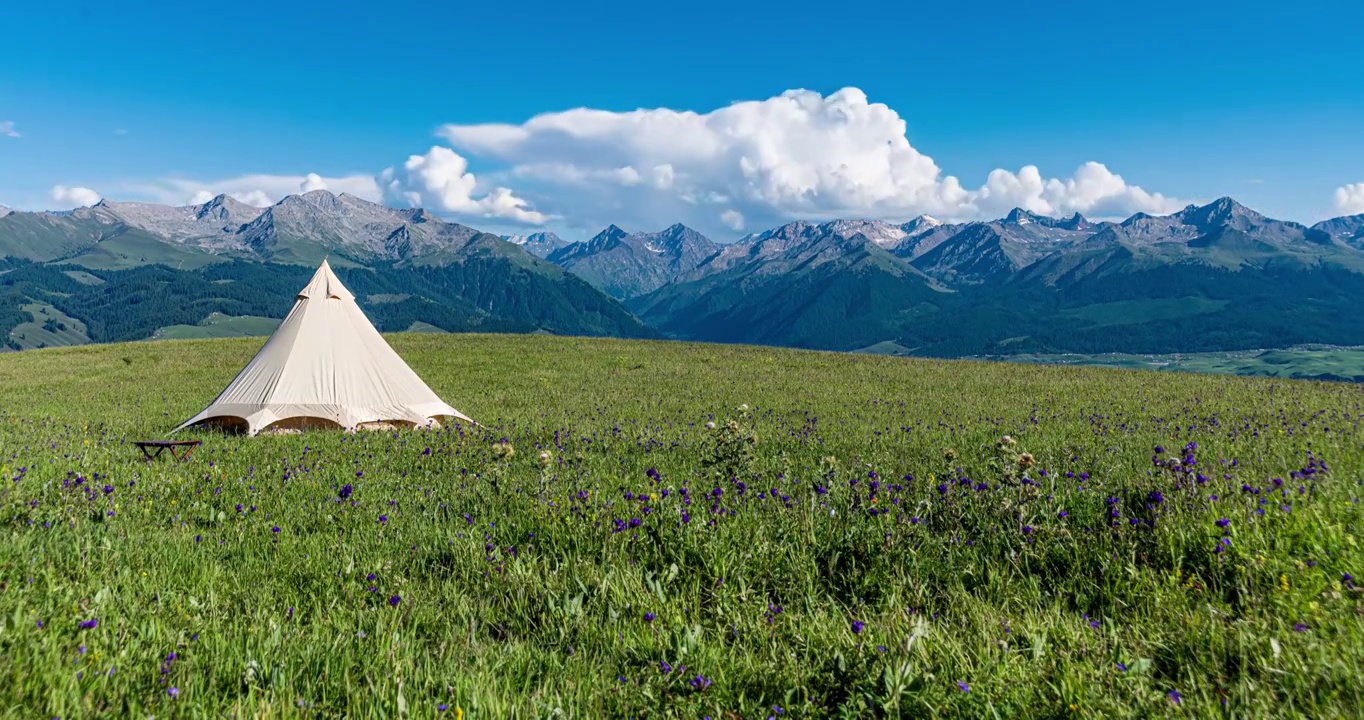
x=324 y=285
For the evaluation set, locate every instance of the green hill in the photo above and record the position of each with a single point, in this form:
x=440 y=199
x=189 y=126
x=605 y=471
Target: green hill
x=480 y=293
x=49 y=327
x=1311 y=362
x=217 y=325
x=133 y=248
x=860 y=535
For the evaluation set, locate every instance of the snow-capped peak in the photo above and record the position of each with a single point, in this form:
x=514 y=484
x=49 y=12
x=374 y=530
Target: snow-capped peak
x=921 y=224
x=881 y=233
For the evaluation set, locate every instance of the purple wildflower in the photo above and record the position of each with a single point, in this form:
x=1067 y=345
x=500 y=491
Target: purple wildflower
x=963 y=686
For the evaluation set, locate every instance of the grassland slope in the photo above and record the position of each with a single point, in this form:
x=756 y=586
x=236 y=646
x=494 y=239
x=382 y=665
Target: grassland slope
x=857 y=536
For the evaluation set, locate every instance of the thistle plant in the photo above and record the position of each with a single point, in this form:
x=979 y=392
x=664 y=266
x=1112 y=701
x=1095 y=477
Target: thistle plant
x=733 y=452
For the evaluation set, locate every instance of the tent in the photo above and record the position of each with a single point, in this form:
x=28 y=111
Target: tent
x=325 y=366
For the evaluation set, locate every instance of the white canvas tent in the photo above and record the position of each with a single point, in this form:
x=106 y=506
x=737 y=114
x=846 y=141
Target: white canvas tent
x=325 y=366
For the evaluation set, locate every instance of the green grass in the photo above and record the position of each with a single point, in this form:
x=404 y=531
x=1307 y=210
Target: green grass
x=1333 y=363
x=63 y=330
x=418 y=326
x=382 y=298
x=135 y=248
x=217 y=325
x=534 y=607
x=83 y=277
x=886 y=347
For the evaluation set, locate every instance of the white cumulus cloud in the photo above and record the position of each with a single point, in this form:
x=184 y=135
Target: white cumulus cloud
x=1092 y=189
x=7 y=129
x=797 y=155
x=70 y=197
x=1350 y=198
x=441 y=179
x=312 y=182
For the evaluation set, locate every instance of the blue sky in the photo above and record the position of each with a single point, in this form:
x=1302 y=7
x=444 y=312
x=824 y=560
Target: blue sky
x=1189 y=100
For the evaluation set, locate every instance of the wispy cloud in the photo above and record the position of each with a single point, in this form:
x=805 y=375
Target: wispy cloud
x=260 y=190
x=7 y=129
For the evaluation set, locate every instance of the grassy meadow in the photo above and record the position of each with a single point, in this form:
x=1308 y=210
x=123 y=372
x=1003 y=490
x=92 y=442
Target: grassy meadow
x=855 y=536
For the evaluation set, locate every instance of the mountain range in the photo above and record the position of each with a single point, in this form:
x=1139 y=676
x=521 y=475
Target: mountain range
x=626 y=265
x=1218 y=276
x=1208 y=277
x=123 y=271
x=539 y=244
